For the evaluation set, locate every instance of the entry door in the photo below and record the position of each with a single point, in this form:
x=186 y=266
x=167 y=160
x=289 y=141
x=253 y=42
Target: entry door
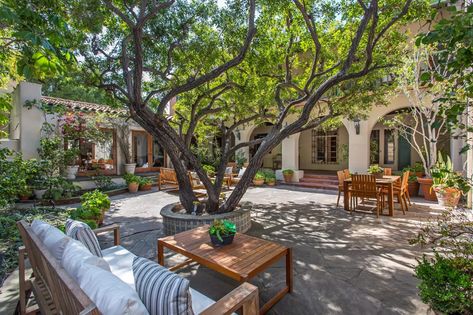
x=403 y=153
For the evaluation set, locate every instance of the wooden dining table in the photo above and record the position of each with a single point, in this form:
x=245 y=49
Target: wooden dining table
x=386 y=181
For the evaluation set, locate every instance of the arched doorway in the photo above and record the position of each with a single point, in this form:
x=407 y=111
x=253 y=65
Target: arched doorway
x=389 y=148
x=323 y=150
x=273 y=159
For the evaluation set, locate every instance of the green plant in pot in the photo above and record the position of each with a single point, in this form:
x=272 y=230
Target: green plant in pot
x=87 y=215
x=145 y=183
x=24 y=192
x=270 y=179
x=222 y=232
x=132 y=181
x=288 y=175
x=376 y=170
x=258 y=180
x=96 y=201
x=209 y=169
x=447 y=184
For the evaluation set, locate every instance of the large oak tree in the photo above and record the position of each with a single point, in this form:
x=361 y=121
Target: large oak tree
x=244 y=63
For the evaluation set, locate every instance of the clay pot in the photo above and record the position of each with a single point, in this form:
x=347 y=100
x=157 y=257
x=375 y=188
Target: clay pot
x=419 y=174
x=413 y=188
x=426 y=187
x=288 y=178
x=145 y=187
x=24 y=197
x=378 y=175
x=448 y=196
x=133 y=187
x=271 y=183
x=258 y=182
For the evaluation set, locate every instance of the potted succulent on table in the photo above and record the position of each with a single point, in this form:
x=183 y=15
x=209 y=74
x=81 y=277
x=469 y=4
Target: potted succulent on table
x=258 y=180
x=132 y=181
x=447 y=184
x=376 y=170
x=145 y=183
x=222 y=232
x=288 y=175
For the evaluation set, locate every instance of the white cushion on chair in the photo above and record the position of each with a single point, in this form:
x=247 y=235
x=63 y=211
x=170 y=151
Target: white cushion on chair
x=229 y=170
x=120 y=261
x=39 y=228
x=199 y=301
x=82 y=232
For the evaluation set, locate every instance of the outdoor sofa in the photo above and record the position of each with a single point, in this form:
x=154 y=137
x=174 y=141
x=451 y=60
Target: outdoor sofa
x=70 y=279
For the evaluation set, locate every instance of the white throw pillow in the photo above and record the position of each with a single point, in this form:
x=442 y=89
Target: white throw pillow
x=75 y=254
x=111 y=295
x=82 y=232
x=242 y=170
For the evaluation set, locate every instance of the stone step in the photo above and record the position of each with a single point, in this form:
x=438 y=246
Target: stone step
x=316 y=185
x=319 y=180
x=320 y=176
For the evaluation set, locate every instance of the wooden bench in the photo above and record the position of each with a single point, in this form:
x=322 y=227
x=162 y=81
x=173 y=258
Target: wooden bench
x=56 y=292
x=168 y=176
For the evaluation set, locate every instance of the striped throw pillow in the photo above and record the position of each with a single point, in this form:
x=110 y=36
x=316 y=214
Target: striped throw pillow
x=83 y=233
x=161 y=291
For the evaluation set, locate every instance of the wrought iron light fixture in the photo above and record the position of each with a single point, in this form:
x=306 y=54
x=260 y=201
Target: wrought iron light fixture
x=357 y=125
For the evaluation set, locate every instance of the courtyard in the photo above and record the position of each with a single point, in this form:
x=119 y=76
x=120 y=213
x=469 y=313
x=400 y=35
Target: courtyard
x=343 y=264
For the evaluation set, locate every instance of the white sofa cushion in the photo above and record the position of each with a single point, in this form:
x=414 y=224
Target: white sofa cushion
x=162 y=291
x=39 y=228
x=51 y=237
x=111 y=295
x=199 y=301
x=83 y=233
x=120 y=261
x=75 y=254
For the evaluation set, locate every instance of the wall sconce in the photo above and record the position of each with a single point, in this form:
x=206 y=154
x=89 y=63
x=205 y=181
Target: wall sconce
x=238 y=135
x=357 y=125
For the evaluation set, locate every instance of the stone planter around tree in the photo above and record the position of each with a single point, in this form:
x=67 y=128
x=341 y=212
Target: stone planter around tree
x=175 y=222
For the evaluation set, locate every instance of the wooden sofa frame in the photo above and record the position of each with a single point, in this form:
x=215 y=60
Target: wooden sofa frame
x=56 y=292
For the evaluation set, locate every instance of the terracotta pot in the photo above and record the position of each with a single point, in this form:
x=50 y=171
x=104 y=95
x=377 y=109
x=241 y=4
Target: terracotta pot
x=413 y=188
x=271 y=183
x=24 y=197
x=287 y=177
x=419 y=174
x=378 y=175
x=426 y=187
x=133 y=187
x=448 y=196
x=145 y=187
x=258 y=182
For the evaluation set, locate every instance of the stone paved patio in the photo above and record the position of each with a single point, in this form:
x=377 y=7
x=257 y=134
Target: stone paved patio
x=344 y=264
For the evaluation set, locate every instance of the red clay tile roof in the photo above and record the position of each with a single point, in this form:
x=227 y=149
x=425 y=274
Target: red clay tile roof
x=82 y=106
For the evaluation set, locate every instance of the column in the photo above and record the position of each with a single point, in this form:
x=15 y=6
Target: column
x=290 y=157
x=26 y=122
x=455 y=148
x=358 y=146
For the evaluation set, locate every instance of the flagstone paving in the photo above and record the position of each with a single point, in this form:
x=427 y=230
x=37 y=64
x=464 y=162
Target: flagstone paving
x=343 y=264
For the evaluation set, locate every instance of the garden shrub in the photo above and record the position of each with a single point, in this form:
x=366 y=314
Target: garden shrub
x=446 y=279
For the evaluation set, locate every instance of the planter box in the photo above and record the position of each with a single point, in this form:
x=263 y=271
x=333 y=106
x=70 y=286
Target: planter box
x=178 y=222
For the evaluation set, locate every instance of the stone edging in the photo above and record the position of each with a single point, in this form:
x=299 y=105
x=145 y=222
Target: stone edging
x=176 y=222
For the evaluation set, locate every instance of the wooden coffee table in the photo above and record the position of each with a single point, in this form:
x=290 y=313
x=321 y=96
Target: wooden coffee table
x=242 y=260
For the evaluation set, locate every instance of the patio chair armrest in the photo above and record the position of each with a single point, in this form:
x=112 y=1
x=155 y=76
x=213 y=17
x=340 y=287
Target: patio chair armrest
x=112 y=227
x=245 y=296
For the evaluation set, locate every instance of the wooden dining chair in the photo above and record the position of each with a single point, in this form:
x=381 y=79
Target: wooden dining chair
x=388 y=171
x=364 y=187
x=346 y=172
x=401 y=192
x=341 y=178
